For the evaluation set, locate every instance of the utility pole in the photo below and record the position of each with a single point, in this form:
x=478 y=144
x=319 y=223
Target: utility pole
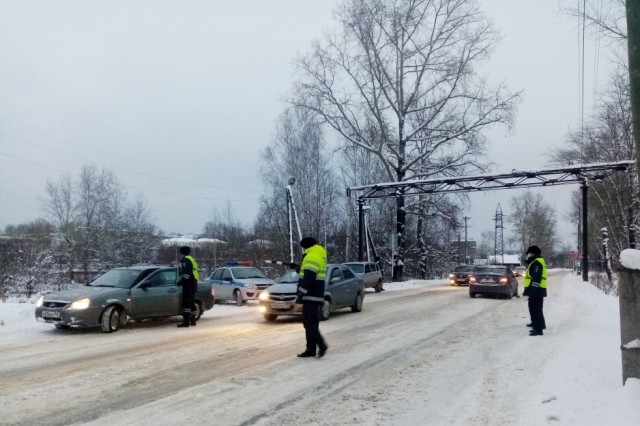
x=466 y=256
x=499 y=235
x=629 y=296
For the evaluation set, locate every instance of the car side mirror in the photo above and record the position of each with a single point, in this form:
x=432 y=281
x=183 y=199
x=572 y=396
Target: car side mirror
x=144 y=285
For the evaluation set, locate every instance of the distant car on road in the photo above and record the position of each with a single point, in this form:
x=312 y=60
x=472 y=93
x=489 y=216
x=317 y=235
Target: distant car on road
x=460 y=275
x=342 y=289
x=498 y=280
x=369 y=272
x=136 y=292
x=238 y=282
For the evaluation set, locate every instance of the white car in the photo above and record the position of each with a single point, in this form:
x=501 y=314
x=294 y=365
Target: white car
x=238 y=282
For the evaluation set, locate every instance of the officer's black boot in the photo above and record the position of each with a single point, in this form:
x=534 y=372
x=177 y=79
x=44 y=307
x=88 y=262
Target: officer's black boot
x=185 y=321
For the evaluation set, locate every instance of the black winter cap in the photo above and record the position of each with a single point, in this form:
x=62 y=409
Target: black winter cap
x=534 y=250
x=307 y=242
x=185 y=250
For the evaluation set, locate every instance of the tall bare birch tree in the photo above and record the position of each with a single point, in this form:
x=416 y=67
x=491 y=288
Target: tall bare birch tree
x=398 y=81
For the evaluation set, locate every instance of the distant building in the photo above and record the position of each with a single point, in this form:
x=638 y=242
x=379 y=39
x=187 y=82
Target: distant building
x=507 y=259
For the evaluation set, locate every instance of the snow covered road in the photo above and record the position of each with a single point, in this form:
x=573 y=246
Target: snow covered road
x=423 y=355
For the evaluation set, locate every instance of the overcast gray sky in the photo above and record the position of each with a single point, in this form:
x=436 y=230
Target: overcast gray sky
x=170 y=94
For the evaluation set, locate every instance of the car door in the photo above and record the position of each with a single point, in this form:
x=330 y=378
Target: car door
x=157 y=295
x=226 y=284
x=216 y=283
x=336 y=287
x=351 y=285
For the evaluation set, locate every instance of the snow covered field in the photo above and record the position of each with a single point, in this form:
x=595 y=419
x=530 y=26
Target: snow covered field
x=420 y=353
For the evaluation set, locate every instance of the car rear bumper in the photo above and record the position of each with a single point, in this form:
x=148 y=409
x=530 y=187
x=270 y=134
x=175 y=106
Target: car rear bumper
x=502 y=289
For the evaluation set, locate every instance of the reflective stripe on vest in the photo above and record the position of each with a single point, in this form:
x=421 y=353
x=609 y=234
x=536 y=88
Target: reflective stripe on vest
x=194 y=267
x=527 y=277
x=315 y=259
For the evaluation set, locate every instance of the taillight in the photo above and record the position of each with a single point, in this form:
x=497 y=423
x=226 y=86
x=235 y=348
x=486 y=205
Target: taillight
x=504 y=280
x=213 y=293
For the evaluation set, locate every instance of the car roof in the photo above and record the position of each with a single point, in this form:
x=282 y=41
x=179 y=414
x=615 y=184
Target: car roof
x=357 y=263
x=143 y=267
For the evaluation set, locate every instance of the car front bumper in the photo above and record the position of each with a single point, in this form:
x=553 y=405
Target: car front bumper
x=269 y=307
x=82 y=317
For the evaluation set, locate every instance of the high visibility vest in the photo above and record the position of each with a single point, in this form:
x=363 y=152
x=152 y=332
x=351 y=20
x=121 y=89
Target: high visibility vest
x=194 y=267
x=527 y=277
x=315 y=259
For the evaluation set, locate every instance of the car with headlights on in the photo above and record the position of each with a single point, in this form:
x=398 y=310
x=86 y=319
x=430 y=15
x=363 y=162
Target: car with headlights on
x=497 y=280
x=238 y=281
x=342 y=289
x=109 y=301
x=460 y=275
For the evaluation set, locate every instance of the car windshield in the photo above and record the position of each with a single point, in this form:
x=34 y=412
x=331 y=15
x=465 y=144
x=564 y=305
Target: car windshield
x=289 y=277
x=490 y=269
x=120 y=278
x=244 y=273
x=463 y=268
x=358 y=268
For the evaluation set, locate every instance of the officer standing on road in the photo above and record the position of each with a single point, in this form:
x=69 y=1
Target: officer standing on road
x=313 y=270
x=189 y=282
x=535 y=286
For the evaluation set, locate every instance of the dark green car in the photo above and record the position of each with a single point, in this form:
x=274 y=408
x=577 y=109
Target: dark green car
x=121 y=294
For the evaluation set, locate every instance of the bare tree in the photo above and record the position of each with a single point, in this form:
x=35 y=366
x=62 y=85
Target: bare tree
x=99 y=208
x=398 y=81
x=607 y=16
x=298 y=151
x=61 y=207
x=607 y=137
x=534 y=221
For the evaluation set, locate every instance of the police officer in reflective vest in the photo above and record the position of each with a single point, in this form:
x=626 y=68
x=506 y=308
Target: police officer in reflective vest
x=189 y=282
x=313 y=271
x=535 y=286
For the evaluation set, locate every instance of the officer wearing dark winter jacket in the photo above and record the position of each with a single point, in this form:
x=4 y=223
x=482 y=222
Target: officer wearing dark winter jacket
x=535 y=286
x=313 y=270
x=189 y=282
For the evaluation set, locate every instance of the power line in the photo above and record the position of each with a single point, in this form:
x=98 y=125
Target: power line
x=131 y=186
x=122 y=168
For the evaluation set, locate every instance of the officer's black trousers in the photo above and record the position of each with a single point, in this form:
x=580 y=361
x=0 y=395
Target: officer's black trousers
x=535 y=310
x=311 y=321
x=188 y=300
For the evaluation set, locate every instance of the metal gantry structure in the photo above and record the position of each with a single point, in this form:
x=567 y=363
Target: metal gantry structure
x=570 y=175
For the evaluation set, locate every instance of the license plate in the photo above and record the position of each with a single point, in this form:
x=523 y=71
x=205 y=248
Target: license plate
x=50 y=314
x=280 y=305
x=461 y=280
x=487 y=281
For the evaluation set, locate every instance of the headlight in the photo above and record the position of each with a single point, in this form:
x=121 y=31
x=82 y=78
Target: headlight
x=251 y=286
x=264 y=295
x=80 y=304
x=39 y=301
x=452 y=275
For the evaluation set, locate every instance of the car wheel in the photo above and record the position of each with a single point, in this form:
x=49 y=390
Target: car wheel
x=62 y=326
x=379 y=286
x=357 y=306
x=111 y=319
x=237 y=295
x=270 y=317
x=325 y=310
x=472 y=295
x=198 y=310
